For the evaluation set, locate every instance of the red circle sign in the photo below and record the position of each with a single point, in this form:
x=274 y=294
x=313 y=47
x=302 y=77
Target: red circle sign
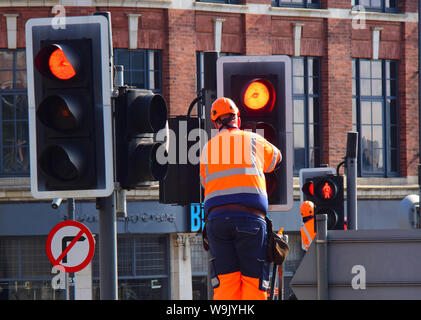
x=67 y=237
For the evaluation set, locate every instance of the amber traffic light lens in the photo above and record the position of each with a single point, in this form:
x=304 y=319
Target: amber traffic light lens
x=60 y=66
x=259 y=94
x=60 y=113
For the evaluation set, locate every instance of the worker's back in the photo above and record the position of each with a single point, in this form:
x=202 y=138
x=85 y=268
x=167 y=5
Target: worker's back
x=233 y=166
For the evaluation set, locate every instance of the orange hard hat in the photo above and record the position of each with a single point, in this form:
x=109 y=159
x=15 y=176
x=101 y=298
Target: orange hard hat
x=223 y=106
x=307 y=208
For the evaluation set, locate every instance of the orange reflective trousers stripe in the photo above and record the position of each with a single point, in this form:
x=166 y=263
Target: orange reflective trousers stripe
x=235 y=286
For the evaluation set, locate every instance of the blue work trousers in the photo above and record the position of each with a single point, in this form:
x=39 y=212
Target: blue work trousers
x=239 y=264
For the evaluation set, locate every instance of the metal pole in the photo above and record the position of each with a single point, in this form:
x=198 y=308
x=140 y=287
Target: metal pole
x=419 y=102
x=209 y=86
x=321 y=246
x=70 y=277
x=108 y=278
x=273 y=282
x=351 y=180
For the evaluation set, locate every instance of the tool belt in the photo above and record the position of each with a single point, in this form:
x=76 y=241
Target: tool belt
x=239 y=207
x=278 y=248
x=236 y=207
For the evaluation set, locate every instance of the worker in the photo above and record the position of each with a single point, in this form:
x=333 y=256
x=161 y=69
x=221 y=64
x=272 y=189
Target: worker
x=232 y=170
x=307 y=225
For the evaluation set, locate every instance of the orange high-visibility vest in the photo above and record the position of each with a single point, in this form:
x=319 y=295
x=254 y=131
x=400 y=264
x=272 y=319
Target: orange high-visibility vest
x=232 y=169
x=307 y=233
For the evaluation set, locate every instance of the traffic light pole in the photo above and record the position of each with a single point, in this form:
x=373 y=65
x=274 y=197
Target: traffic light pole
x=108 y=281
x=351 y=180
x=210 y=59
x=108 y=273
x=321 y=246
x=70 y=277
x=419 y=112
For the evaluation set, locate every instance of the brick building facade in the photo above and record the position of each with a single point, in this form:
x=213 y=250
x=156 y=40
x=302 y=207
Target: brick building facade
x=354 y=68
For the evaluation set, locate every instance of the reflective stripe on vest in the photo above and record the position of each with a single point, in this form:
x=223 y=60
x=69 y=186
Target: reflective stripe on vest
x=275 y=157
x=304 y=245
x=251 y=164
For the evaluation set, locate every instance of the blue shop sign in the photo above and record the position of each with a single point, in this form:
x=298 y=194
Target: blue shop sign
x=196 y=215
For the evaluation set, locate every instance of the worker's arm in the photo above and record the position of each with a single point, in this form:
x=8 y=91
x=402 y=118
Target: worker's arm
x=272 y=156
x=203 y=163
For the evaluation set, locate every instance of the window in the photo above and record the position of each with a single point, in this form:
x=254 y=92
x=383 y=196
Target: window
x=221 y=1
x=25 y=271
x=306 y=112
x=199 y=266
x=296 y=3
x=200 y=68
x=142 y=268
x=14 y=150
x=378 y=5
x=375 y=116
x=200 y=71
x=142 y=68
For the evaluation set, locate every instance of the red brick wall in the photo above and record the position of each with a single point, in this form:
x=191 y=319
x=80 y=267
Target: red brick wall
x=336 y=90
x=408 y=101
x=181 y=33
x=179 y=61
x=257 y=34
x=408 y=6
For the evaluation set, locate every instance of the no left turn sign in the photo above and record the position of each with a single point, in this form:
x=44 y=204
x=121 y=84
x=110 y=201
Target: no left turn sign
x=70 y=246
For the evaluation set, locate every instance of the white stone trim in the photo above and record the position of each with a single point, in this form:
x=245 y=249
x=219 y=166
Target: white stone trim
x=376 y=42
x=298 y=28
x=133 y=29
x=217 y=27
x=11 y=25
x=332 y=13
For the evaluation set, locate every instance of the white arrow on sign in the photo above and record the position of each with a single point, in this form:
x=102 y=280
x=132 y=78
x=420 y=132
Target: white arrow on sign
x=365 y=264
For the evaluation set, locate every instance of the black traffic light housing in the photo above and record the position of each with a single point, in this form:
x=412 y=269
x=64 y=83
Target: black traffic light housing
x=139 y=116
x=327 y=194
x=182 y=185
x=69 y=108
x=260 y=86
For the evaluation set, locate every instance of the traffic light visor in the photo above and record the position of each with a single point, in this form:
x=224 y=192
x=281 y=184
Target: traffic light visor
x=259 y=94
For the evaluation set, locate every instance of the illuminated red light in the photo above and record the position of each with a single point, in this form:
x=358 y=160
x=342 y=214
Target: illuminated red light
x=311 y=188
x=60 y=66
x=327 y=191
x=259 y=94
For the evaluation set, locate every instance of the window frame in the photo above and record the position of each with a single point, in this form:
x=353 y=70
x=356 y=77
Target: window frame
x=383 y=8
x=386 y=118
x=288 y=4
x=15 y=92
x=305 y=97
x=221 y=1
x=146 y=64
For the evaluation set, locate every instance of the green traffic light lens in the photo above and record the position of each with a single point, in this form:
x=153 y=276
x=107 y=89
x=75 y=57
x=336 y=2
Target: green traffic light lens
x=61 y=165
x=65 y=163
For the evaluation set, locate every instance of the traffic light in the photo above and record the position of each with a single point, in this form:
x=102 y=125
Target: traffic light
x=140 y=114
x=69 y=108
x=261 y=88
x=327 y=194
x=182 y=185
